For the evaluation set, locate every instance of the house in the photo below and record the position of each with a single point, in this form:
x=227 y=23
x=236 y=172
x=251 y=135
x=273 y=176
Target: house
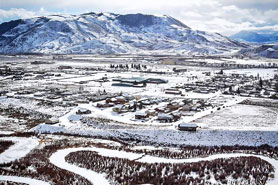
x=120 y=100
x=39 y=62
x=173 y=106
x=176 y=116
x=117 y=100
x=185 y=108
x=83 y=111
x=141 y=115
x=187 y=126
x=64 y=67
x=172 y=91
x=105 y=105
x=151 y=112
x=103 y=79
x=52 y=121
x=160 y=109
x=165 y=117
x=187 y=113
x=177 y=70
x=120 y=108
x=144 y=101
x=53 y=97
x=169 y=61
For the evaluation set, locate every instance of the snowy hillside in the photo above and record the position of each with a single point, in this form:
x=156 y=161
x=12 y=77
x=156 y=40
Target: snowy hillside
x=260 y=36
x=107 y=33
x=266 y=50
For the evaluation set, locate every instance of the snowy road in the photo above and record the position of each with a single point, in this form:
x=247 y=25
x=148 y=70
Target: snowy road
x=21 y=147
x=58 y=159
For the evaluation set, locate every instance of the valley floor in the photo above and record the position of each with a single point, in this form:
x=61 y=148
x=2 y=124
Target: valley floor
x=72 y=125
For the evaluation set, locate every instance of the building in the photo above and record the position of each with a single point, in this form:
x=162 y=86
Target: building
x=83 y=111
x=116 y=100
x=165 y=117
x=187 y=126
x=105 y=105
x=172 y=91
x=135 y=84
x=178 y=70
x=64 y=67
x=133 y=80
x=140 y=80
x=141 y=115
x=169 y=61
x=156 y=81
x=52 y=121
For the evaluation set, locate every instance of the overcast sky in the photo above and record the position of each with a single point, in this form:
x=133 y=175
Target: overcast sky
x=224 y=16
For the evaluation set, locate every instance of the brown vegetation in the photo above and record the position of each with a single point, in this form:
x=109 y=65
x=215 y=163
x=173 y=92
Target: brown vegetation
x=31 y=118
x=124 y=171
x=4 y=145
x=36 y=165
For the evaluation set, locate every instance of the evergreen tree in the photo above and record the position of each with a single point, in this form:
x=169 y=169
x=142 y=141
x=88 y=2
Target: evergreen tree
x=261 y=82
x=276 y=86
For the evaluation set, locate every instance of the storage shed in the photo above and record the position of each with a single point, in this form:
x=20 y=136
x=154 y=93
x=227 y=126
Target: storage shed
x=187 y=126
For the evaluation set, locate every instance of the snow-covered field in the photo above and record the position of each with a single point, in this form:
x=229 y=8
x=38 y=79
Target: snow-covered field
x=264 y=73
x=241 y=117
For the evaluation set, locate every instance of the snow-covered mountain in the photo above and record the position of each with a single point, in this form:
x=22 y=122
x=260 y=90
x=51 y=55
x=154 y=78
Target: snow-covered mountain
x=265 y=50
x=108 y=33
x=260 y=36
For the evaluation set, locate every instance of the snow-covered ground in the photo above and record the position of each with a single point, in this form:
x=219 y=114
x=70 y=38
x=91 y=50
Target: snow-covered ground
x=241 y=117
x=6 y=132
x=233 y=124
x=264 y=73
x=21 y=147
x=31 y=105
x=203 y=137
x=25 y=180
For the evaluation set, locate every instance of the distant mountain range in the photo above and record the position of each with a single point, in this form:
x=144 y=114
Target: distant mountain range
x=260 y=36
x=108 y=33
x=265 y=50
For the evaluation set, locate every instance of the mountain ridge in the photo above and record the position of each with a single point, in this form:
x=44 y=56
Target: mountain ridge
x=260 y=36
x=109 y=33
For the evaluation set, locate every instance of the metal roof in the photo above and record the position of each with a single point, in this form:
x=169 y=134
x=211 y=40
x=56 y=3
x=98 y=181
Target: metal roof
x=188 y=125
